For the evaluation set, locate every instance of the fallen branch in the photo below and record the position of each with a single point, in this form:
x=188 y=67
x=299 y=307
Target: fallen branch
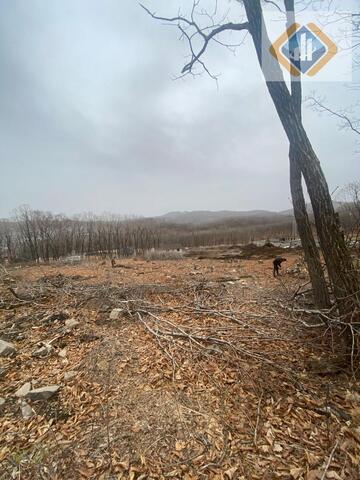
x=329 y=460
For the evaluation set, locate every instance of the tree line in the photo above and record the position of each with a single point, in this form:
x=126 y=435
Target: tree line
x=33 y=235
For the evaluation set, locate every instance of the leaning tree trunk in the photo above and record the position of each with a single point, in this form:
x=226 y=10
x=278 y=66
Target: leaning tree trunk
x=337 y=256
x=311 y=251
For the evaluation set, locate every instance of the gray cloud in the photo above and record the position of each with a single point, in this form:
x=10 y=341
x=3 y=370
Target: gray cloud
x=91 y=118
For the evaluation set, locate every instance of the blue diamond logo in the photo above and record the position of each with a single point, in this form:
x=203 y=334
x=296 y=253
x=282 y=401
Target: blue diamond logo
x=304 y=49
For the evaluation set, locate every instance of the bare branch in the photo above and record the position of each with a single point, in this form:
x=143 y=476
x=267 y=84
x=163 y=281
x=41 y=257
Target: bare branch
x=271 y=2
x=211 y=35
x=206 y=37
x=352 y=125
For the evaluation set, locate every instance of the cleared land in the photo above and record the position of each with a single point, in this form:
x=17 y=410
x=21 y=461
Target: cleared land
x=204 y=372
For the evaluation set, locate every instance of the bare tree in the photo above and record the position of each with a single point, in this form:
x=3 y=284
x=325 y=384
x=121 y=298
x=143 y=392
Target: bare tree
x=337 y=257
x=28 y=234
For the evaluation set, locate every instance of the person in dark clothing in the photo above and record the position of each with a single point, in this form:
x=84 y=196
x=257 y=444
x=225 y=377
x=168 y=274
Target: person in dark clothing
x=277 y=265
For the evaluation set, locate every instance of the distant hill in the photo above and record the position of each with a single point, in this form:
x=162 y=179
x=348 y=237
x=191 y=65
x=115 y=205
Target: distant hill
x=338 y=206
x=201 y=217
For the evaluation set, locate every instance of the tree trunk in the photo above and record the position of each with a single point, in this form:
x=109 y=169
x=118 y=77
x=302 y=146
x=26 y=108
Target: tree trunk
x=311 y=252
x=337 y=256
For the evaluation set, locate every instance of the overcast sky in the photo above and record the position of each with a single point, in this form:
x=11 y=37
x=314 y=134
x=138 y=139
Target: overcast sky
x=91 y=118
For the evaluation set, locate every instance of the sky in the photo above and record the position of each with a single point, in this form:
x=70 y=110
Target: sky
x=92 y=117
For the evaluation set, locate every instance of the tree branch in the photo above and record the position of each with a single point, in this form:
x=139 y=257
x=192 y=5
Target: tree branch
x=271 y=2
x=322 y=108
x=206 y=37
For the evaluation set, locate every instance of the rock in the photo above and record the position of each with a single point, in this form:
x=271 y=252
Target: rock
x=71 y=323
x=22 y=295
x=2 y=401
x=26 y=411
x=69 y=375
x=42 y=393
x=88 y=337
x=43 y=351
x=116 y=313
x=6 y=348
x=62 y=353
x=55 y=317
x=23 y=390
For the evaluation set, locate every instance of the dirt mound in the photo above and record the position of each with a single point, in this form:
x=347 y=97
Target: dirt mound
x=241 y=252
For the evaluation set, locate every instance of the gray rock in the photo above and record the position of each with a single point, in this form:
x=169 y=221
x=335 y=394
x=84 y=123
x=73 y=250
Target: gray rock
x=6 y=348
x=42 y=393
x=43 y=351
x=26 y=411
x=62 y=353
x=69 y=375
x=116 y=313
x=23 y=390
x=71 y=323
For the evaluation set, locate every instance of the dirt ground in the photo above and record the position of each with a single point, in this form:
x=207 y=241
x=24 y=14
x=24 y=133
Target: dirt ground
x=205 y=372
